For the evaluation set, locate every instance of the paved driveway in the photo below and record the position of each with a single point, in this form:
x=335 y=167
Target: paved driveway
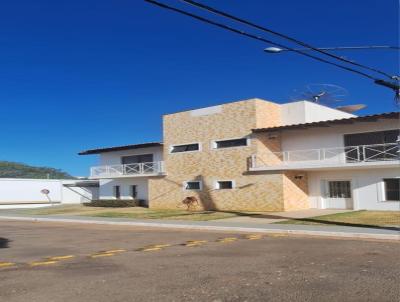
x=56 y=262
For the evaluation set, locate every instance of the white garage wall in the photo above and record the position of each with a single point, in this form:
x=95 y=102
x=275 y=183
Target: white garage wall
x=23 y=191
x=367 y=187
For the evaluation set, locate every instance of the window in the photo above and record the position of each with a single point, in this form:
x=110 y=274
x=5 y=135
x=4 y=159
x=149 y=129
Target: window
x=339 y=189
x=185 y=148
x=229 y=143
x=392 y=189
x=225 y=184
x=384 y=146
x=192 y=185
x=135 y=159
x=117 y=192
x=133 y=191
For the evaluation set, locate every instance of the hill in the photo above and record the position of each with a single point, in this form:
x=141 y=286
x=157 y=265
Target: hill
x=19 y=170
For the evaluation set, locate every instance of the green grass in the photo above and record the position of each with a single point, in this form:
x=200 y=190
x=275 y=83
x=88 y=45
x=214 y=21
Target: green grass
x=132 y=212
x=356 y=218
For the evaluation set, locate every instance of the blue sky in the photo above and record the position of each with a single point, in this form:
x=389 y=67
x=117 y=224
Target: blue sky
x=82 y=74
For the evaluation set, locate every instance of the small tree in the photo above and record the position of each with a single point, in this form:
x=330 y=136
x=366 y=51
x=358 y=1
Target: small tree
x=191 y=203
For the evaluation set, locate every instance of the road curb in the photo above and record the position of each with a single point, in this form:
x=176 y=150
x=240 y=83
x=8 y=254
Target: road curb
x=213 y=228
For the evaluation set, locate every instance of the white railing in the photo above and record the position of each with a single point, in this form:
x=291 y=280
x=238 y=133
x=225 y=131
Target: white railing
x=150 y=168
x=340 y=155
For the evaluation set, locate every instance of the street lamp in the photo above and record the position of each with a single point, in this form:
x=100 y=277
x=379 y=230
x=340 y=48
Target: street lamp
x=279 y=50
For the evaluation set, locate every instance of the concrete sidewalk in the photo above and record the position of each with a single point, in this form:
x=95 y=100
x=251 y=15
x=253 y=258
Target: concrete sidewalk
x=383 y=233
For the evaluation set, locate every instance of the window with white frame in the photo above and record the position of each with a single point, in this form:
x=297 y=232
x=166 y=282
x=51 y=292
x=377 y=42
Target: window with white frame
x=392 y=189
x=339 y=189
x=230 y=143
x=225 y=184
x=185 y=148
x=192 y=185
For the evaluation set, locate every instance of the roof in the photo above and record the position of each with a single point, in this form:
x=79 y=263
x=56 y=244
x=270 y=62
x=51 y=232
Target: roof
x=343 y=121
x=120 y=148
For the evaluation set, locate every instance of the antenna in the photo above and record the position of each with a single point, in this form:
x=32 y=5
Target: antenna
x=324 y=94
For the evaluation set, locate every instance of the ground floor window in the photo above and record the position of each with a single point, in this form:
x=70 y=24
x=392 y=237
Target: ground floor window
x=192 y=185
x=339 y=189
x=133 y=191
x=225 y=184
x=392 y=189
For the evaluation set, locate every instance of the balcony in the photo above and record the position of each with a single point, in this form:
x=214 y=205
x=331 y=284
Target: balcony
x=380 y=155
x=128 y=170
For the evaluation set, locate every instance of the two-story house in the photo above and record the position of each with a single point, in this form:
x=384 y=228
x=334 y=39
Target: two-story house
x=256 y=155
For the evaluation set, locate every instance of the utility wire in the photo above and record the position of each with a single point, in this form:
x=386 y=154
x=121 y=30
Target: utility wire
x=226 y=15
x=259 y=38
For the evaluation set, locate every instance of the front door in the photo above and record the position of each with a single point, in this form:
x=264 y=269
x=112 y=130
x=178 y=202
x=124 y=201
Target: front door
x=338 y=194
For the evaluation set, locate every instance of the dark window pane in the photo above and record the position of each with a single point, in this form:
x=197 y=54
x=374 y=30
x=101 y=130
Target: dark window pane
x=339 y=189
x=231 y=143
x=117 y=193
x=192 y=185
x=225 y=185
x=135 y=159
x=374 y=146
x=185 y=148
x=133 y=191
x=392 y=189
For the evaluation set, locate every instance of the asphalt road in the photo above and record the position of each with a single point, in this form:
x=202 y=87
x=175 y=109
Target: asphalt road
x=62 y=262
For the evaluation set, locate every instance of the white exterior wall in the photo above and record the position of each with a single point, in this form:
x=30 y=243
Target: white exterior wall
x=20 y=191
x=330 y=137
x=114 y=157
x=367 y=187
x=107 y=187
x=308 y=112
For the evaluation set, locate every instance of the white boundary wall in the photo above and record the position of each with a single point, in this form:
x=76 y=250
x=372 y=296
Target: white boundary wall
x=18 y=191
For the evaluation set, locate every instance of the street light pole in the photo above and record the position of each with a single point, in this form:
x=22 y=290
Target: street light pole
x=279 y=50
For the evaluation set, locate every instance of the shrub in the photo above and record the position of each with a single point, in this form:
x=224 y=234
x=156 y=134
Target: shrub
x=114 y=203
x=191 y=203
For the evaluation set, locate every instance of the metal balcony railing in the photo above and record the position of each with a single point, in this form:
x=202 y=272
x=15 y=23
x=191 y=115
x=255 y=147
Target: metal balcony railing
x=150 y=168
x=340 y=155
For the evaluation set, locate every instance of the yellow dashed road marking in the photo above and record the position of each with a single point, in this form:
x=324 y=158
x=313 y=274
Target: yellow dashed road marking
x=160 y=245
x=102 y=255
x=191 y=243
x=57 y=258
x=150 y=249
x=38 y=263
x=227 y=239
x=115 y=251
x=253 y=237
x=6 y=264
x=154 y=247
x=278 y=235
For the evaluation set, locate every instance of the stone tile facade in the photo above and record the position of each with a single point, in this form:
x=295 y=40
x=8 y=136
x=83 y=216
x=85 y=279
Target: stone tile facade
x=253 y=191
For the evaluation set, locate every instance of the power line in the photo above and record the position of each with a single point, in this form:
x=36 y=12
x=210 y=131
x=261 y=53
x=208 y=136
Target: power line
x=226 y=15
x=259 y=38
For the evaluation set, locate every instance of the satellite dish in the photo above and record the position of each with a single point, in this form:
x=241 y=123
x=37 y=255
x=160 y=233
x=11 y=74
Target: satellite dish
x=351 y=108
x=324 y=94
